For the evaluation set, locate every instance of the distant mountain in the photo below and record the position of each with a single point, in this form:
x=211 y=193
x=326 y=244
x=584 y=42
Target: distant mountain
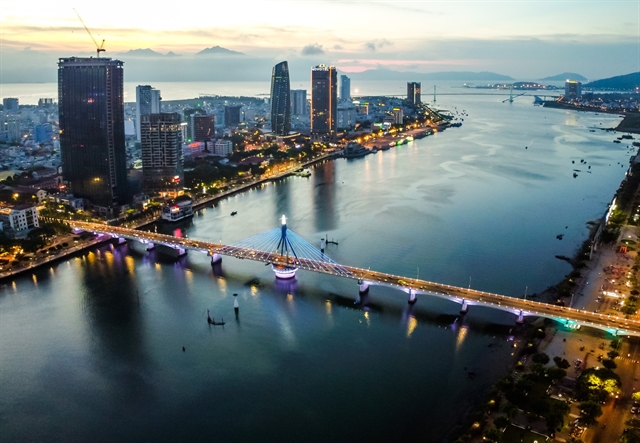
x=171 y=54
x=620 y=82
x=564 y=76
x=141 y=53
x=387 y=74
x=218 y=50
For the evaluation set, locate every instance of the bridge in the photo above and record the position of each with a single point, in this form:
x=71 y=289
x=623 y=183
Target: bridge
x=287 y=252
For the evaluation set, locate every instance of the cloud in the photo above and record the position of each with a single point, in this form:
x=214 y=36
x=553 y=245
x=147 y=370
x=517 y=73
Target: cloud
x=374 y=45
x=313 y=49
x=337 y=47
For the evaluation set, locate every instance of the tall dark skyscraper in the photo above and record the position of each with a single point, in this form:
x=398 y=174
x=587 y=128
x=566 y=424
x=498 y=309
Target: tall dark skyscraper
x=324 y=100
x=162 y=161
x=413 y=93
x=91 y=109
x=232 y=116
x=345 y=88
x=280 y=99
x=202 y=128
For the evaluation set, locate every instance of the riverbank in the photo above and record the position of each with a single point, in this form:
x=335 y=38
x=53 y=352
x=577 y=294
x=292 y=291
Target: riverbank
x=630 y=123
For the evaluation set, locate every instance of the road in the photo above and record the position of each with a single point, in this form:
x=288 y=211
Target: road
x=406 y=284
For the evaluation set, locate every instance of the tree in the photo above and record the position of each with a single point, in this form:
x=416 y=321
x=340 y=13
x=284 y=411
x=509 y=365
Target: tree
x=613 y=354
x=636 y=396
x=609 y=364
x=594 y=383
x=492 y=434
x=589 y=412
x=540 y=358
x=556 y=373
x=632 y=436
x=501 y=422
x=615 y=344
x=562 y=363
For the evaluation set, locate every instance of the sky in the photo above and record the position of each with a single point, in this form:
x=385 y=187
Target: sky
x=523 y=39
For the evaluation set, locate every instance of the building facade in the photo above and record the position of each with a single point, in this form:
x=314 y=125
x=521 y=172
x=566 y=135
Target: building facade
x=11 y=104
x=147 y=102
x=18 y=218
x=280 y=99
x=162 y=159
x=346 y=115
x=572 y=90
x=299 y=102
x=202 y=128
x=324 y=100
x=223 y=147
x=232 y=116
x=91 y=112
x=345 y=88
x=413 y=93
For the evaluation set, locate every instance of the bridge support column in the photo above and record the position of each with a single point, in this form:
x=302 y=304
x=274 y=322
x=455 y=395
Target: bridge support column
x=150 y=246
x=520 y=319
x=465 y=307
x=412 y=297
x=284 y=272
x=363 y=286
x=181 y=251
x=120 y=240
x=215 y=258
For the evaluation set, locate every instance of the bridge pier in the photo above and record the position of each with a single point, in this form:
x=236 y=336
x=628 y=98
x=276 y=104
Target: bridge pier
x=363 y=286
x=215 y=258
x=150 y=246
x=181 y=251
x=412 y=297
x=120 y=240
x=284 y=272
x=465 y=307
x=520 y=319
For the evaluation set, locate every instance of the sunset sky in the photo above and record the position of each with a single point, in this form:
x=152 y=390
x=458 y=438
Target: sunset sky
x=421 y=36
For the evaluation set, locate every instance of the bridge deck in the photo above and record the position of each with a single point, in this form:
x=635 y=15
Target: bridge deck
x=454 y=293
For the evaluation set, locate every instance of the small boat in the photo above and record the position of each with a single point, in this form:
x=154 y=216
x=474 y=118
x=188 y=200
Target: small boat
x=212 y=321
x=234 y=213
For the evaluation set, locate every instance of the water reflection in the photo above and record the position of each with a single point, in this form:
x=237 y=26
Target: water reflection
x=324 y=194
x=112 y=312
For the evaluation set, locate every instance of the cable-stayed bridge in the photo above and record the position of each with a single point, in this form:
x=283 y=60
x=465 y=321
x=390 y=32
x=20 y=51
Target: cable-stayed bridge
x=287 y=252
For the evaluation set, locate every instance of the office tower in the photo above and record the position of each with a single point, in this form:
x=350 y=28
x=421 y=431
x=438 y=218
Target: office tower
x=91 y=111
x=572 y=90
x=147 y=102
x=162 y=165
x=324 y=100
x=202 y=128
x=44 y=102
x=413 y=93
x=299 y=102
x=232 y=116
x=345 y=88
x=280 y=99
x=10 y=104
x=43 y=133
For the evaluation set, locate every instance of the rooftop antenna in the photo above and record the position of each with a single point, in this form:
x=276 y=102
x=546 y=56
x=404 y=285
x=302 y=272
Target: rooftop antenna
x=99 y=48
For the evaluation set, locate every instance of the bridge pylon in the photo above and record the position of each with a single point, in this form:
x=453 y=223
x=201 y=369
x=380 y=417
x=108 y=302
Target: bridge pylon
x=285 y=248
x=412 y=297
x=465 y=307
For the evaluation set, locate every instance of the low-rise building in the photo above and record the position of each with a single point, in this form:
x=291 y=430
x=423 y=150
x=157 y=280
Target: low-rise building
x=19 y=218
x=223 y=147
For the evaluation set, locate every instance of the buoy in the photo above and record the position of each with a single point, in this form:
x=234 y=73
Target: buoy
x=183 y=349
x=235 y=302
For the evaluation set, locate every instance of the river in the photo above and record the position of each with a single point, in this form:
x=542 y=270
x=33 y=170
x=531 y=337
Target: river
x=92 y=347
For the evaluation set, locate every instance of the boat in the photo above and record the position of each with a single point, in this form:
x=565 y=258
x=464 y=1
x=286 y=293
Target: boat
x=234 y=213
x=178 y=209
x=354 y=150
x=303 y=173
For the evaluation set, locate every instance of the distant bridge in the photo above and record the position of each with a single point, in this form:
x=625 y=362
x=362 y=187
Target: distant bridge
x=287 y=252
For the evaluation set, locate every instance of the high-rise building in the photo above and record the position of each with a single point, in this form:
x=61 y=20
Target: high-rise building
x=147 y=102
x=91 y=111
x=413 y=93
x=44 y=102
x=202 y=128
x=572 y=90
x=345 y=88
x=324 y=100
x=232 y=116
x=10 y=104
x=162 y=161
x=43 y=133
x=280 y=99
x=299 y=102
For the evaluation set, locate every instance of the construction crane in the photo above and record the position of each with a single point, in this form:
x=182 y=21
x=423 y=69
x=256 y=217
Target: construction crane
x=99 y=48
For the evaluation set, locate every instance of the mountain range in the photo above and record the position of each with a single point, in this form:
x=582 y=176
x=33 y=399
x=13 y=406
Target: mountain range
x=626 y=82
x=564 y=76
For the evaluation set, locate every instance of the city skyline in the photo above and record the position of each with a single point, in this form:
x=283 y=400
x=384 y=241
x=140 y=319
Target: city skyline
x=525 y=40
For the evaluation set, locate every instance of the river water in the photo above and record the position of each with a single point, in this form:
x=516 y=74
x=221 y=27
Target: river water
x=91 y=348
